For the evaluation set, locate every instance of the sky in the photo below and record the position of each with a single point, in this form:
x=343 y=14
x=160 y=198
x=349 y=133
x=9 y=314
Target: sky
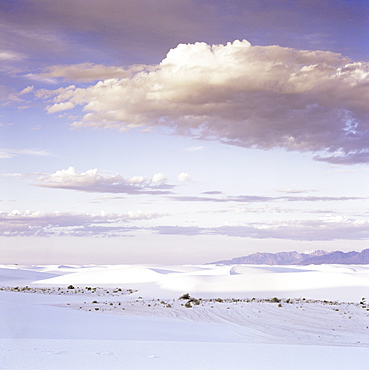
x=182 y=131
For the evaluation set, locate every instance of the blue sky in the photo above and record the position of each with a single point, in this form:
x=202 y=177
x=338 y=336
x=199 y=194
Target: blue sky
x=182 y=132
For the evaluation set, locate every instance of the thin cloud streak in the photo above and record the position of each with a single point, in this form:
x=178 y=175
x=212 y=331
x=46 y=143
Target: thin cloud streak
x=311 y=230
x=41 y=224
x=85 y=72
x=36 y=223
x=11 y=153
x=360 y=157
x=260 y=199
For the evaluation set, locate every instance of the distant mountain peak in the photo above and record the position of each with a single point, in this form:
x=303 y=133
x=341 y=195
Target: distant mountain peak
x=318 y=257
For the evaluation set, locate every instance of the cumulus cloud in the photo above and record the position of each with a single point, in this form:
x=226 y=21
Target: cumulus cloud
x=36 y=223
x=159 y=178
x=250 y=96
x=58 y=107
x=184 y=176
x=92 y=181
x=289 y=230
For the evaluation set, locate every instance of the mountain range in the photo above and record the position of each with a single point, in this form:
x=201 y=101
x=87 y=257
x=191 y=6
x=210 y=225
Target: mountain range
x=295 y=258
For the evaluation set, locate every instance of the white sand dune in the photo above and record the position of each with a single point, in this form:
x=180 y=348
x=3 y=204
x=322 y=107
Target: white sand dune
x=48 y=326
x=333 y=282
x=112 y=275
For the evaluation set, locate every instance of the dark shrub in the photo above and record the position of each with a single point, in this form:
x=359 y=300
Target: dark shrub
x=185 y=296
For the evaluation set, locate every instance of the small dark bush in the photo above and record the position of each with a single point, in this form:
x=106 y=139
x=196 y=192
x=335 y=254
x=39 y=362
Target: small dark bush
x=185 y=296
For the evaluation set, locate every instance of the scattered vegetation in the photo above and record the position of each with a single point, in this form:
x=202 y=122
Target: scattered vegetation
x=110 y=302
x=70 y=290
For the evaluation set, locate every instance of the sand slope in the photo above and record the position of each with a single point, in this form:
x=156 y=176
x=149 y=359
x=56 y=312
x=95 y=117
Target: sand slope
x=48 y=326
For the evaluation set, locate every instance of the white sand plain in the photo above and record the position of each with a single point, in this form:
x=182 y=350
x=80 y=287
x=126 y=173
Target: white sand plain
x=319 y=321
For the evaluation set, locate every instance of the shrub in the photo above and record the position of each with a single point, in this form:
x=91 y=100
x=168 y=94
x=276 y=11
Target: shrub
x=70 y=287
x=185 y=296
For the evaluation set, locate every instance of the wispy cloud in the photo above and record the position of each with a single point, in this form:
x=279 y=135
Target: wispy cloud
x=41 y=224
x=7 y=55
x=11 y=153
x=92 y=181
x=194 y=148
x=35 y=223
x=213 y=192
x=289 y=230
x=259 y=199
x=294 y=191
x=27 y=90
x=87 y=72
x=359 y=157
x=40 y=78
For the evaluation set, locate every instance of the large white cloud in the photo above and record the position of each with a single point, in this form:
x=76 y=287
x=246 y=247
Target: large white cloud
x=251 y=96
x=92 y=181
